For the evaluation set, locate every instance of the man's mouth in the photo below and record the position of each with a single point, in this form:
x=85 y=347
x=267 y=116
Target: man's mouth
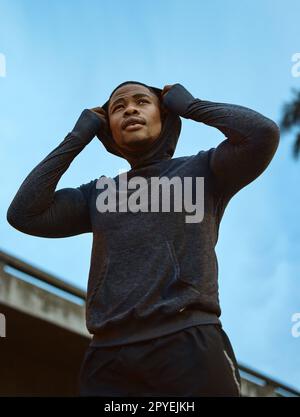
x=133 y=123
x=133 y=126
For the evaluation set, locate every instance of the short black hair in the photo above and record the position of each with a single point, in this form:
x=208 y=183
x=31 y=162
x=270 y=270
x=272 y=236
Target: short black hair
x=156 y=92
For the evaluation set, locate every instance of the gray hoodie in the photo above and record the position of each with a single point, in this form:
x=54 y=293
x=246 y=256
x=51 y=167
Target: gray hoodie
x=151 y=273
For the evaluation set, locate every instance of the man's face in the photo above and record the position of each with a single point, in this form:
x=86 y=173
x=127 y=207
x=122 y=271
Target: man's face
x=127 y=103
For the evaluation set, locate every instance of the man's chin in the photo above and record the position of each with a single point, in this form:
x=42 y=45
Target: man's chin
x=137 y=144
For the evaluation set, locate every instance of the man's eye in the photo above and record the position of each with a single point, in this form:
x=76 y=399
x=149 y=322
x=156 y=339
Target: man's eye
x=117 y=107
x=139 y=100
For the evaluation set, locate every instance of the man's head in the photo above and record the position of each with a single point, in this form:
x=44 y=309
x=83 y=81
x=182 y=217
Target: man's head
x=134 y=102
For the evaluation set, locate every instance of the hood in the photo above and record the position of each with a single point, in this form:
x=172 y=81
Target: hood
x=163 y=148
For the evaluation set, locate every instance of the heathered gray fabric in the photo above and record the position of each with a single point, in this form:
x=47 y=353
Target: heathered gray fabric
x=151 y=273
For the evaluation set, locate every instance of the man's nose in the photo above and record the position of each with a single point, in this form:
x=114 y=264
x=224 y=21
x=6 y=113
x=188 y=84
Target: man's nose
x=130 y=109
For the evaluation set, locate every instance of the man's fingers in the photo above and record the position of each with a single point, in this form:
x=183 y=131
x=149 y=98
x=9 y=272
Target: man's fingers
x=99 y=110
x=166 y=89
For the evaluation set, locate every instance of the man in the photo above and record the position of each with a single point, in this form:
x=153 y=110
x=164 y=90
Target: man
x=152 y=298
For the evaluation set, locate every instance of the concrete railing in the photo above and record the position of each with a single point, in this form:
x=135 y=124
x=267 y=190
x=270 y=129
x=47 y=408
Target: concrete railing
x=254 y=384
x=33 y=272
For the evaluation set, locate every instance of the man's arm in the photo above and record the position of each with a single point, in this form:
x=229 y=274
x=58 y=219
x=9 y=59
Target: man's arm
x=37 y=209
x=252 y=139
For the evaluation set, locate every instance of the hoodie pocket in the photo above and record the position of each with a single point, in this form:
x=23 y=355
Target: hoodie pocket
x=135 y=278
x=198 y=269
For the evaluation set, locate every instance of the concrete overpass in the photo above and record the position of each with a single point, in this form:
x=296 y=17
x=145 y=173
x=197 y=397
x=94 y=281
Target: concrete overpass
x=43 y=336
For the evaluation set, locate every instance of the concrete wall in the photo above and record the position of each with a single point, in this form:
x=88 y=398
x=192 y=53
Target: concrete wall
x=46 y=338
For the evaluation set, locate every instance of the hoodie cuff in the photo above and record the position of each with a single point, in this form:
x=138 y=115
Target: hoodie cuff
x=178 y=99
x=87 y=126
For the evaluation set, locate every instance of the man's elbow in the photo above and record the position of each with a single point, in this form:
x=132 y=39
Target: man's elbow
x=272 y=132
x=10 y=216
x=16 y=220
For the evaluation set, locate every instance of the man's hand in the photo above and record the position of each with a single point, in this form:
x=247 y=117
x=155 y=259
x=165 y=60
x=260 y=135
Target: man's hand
x=100 y=112
x=91 y=122
x=176 y=99
x=166 y=89
x=104 y=127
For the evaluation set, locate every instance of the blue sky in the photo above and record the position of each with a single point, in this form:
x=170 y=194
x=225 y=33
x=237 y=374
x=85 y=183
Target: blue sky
x=64 y=56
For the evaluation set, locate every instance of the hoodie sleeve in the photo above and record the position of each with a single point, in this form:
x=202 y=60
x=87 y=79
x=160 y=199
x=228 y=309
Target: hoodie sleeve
x=37 y=209
x=251 y=142
x=251 y=138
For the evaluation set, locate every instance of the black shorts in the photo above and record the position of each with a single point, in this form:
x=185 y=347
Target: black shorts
x=196 y=361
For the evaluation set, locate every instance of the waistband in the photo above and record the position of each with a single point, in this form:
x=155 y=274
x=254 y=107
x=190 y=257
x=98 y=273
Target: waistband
x=131 y=329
